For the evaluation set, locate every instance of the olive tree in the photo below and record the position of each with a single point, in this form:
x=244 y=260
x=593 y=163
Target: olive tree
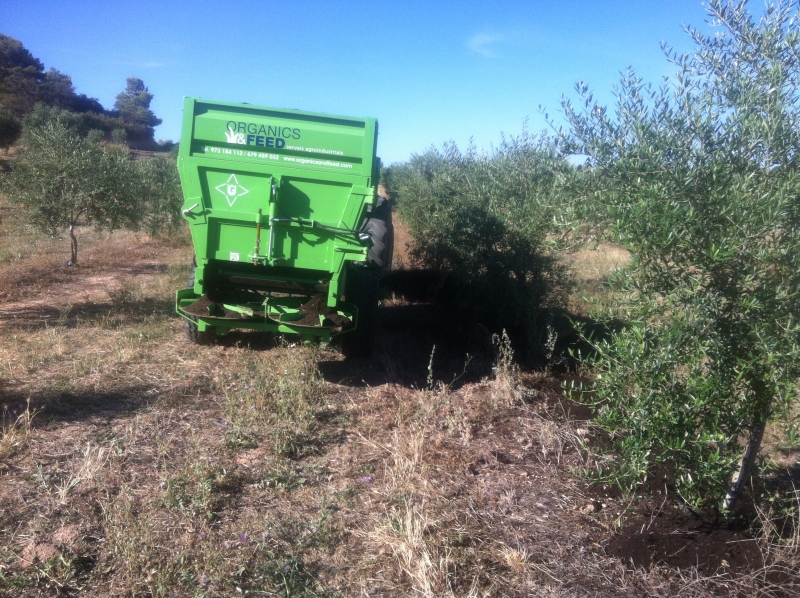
x=62 y=179
x=700 y=177
x=160 y=195
x=487 y=222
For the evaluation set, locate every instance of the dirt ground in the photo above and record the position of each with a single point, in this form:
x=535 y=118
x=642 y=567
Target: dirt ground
x=133 y=463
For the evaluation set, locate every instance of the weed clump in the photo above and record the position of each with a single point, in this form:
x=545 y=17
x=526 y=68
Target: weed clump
x=14 y=429
x=279 y=402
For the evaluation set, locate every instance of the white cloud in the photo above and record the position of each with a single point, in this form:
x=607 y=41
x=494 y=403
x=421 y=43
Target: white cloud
x=483 y=44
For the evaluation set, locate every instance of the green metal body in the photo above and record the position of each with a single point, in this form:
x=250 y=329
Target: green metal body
x=274 y=199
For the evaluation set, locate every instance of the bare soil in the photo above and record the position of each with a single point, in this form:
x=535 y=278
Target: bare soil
x=671 y=536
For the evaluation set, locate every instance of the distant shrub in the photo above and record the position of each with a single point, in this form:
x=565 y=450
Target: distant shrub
x=161 y=195
x=166 y=145
x=95 y=136
x=487 y=222
x=80 y=123
x=119 y=136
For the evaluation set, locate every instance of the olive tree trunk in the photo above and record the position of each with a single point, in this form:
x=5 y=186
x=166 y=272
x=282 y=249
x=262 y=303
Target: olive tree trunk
x=73 y=261
x=745 y=466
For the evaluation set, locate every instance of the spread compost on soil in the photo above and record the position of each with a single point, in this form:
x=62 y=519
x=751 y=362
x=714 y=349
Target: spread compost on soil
x=681 y=540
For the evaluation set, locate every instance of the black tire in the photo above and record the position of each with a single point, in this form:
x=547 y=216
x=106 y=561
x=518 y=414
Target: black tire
x=206 y=337
x=362 y=289
x=380 y=228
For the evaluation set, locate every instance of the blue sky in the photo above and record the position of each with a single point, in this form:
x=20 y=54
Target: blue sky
x=429 y=71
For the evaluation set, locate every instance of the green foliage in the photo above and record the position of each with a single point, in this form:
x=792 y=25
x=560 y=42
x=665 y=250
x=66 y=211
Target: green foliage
x=95 y=135
x=488 y=222
x=161 y=196
x=79 y=123
x=290 y=577
x=20 y=74
x=281 y=403
x=133 y=104
x=699 y=177
x=167 y=145
x=198 y=489
x=119 y=136
x=42 y=115
x=24 y=83
x=61 y=178
x=25 y=87
x=56 y=89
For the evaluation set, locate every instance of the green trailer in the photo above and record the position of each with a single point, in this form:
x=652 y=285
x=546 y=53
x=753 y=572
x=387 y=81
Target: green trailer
x=289 y=233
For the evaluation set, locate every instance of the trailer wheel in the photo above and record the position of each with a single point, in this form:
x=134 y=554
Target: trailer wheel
x=205 y=337
x=362 y=289
x=381 y=229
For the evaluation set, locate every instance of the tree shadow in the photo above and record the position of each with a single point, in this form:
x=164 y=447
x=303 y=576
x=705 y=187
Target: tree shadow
x=417 y=345
x=65 y=404
x=421 y=342
x=32 y=317
x=54 y=405
x=30 y=279
x=564 y=339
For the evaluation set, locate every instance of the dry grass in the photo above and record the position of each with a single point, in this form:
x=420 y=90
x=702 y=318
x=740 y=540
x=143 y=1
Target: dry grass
x=596 y=263
x=411 y=537
x=591 y=267
x=157 y=468
x=14 y=430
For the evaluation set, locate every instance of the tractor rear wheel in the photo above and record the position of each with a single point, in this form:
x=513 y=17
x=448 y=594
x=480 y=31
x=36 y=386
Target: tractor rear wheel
x=380 y=228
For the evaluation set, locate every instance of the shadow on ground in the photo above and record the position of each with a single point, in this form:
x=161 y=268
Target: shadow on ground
x=74 y=315
x=27 y=280
x=420 y=342
x=668 y=535
x=662 y=532
x=54 y=405
x=417 y=345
